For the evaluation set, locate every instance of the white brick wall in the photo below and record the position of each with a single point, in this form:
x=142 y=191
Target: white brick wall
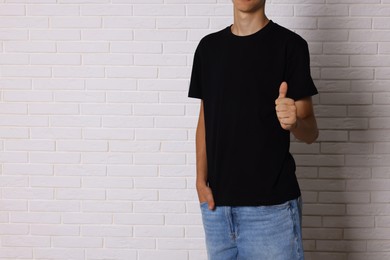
x=97 y=133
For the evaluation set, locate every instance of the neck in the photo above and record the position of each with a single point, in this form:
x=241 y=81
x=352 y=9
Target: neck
x=248 y=23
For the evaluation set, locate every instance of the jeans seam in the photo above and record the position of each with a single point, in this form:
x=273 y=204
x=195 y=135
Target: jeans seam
x=299 y=249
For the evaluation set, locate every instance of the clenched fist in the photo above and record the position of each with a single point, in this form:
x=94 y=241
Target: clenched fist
x=286 y=109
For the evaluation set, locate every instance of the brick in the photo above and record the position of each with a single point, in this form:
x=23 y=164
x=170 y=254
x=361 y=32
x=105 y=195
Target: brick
x=14 y=84
x=136 y=47
x=28 y=96
x=163 y=254
x=10 y=108
x=55 y=133
x=134 y=146
x=82 y=146
x=13 y=229
x=344 y=197
x=52 y=10
x=159 y=35
x=55 y=35
x=160 y=134
x=370 y=136
x=159 y=207
x=133 y=195
x=55 y=59
x=54 y=206
x=55 y=230
x=87 y=218
x=106 y=231
x=183 y=219
x=159 y=10
x=100 y=207
x=13 y=35
x=345 y=173
x=132 y=170
x=78 y=72
x=159 y=232
x=346 y=148
x=57 y=253
x=106 y=158
x=82 y=47
x=13 y=157
x=118 y=254
x=377 y=246
x=180 y=244
x=139 y=219
x=14 y=59
x=130 y=243
x=369 y=111
x=53 y=109
x=17 y=241
x=106 y=10
x=368 y=209
x=110 y=84
x=107 y=35
x=343 y=123
x=47 y=157
x=12 y=10
x=369 y=36
x=159 y=159
x=75 y=121
x=108 y=134
x=13 y=205
x=365 y=233
x=132 y=72
x=340 y=23
x=333 y=135
x=321 y=10
x=127 y=122
x=324 y=209
x=29 y=145
x=25 y=71
x=107 y=182
x=158 y=183
x=330 y=111
x=322 y=233
x=80 y=194
x=58 y=84
x=75 y=22
x=27 y=169
x=367 y=160
x=76 y=242
x=350 y=48
x=349 y=221
x=29 y=47
x=37 y=218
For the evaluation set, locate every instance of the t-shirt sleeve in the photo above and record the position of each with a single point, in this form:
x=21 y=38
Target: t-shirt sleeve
x=298 y=76
x=195 y=89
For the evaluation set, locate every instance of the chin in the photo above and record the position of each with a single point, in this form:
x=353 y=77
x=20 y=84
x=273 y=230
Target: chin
x=248 y=5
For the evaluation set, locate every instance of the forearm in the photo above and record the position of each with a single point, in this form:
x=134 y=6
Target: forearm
x=201 y=157
x=306 y=129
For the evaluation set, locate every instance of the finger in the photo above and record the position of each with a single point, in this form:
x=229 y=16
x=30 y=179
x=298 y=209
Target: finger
x=283 y=90
x=210 y=202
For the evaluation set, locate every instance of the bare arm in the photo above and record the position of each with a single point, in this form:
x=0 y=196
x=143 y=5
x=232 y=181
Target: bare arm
x=296 y=116
x=204 y=191
x=306 y=125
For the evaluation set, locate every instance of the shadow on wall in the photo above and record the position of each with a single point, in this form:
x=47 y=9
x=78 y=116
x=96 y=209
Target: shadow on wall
x=344 y=175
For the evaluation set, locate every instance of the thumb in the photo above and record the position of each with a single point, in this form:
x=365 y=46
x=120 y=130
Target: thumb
x=283 y=90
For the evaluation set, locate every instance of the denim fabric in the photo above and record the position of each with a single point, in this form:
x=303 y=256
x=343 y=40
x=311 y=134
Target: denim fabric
x=254 y=233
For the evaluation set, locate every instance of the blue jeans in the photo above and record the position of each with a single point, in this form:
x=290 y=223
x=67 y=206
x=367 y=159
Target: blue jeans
x=254 y=233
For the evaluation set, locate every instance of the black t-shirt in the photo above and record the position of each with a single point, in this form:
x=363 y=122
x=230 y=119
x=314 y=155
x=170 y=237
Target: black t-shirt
x=238 y=78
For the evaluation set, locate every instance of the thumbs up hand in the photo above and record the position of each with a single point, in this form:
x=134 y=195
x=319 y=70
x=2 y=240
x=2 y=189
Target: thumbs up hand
x=286 y=110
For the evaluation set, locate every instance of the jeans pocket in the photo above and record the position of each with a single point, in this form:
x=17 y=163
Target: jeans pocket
x=202 y=204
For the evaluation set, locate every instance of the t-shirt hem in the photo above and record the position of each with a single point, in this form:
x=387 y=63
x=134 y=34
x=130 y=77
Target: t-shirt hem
x=269 y=202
